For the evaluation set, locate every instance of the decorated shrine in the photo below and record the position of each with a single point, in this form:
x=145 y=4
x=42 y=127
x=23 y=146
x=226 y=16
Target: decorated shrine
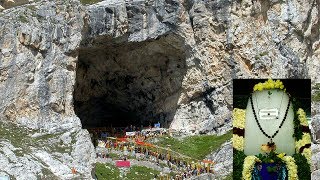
x=271 y=136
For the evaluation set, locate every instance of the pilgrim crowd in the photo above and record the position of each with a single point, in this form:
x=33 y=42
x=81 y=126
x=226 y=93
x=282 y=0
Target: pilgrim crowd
x=131 y=132
x=130 y=143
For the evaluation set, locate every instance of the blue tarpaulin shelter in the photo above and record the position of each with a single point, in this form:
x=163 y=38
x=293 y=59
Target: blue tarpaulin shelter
x=157 y=125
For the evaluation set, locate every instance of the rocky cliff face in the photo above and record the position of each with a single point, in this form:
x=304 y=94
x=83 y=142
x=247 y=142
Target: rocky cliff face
x=169 y=60
x=38 y=50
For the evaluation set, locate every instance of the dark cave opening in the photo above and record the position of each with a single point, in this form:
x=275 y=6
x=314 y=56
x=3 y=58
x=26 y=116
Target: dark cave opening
x=131 y=83
x=95 y=111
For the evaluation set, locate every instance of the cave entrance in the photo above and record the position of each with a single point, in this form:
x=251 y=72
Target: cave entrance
x=123 y=84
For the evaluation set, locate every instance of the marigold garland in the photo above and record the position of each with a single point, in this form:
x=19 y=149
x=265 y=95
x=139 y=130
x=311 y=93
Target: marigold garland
x=307 y=153
x=269 y=84
x=239 y=118
x=238 y=142
x=306 y=139
x=248 y=166
x=292 y=167
x=302 y=117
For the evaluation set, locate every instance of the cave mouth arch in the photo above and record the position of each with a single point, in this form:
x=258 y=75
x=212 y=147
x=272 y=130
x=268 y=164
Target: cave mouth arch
x=129 y=83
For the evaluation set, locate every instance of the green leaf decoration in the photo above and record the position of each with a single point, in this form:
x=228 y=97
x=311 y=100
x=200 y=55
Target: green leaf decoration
x=304 y=172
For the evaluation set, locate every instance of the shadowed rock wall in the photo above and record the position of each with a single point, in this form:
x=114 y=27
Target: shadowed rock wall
x=133 y=83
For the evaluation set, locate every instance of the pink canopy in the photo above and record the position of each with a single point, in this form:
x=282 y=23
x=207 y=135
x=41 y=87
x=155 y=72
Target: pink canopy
x=123 y=163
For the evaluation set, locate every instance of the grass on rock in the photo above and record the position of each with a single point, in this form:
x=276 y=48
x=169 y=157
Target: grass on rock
x=19 y=137
x=88 y=2
x=23 y=19
x=229 y=177
x=114 y=156
x=197 y=147
x=142 y=173
x=316 y=94
x=107 y=171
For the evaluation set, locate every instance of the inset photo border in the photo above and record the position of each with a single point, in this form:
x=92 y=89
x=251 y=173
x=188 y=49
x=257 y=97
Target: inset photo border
x=271 y=134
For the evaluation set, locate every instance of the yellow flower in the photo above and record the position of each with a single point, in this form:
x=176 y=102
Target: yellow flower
x=237 y=142
x=292 y=167
x=258 y=87
x=302 y=117
x=277 y=84
x=238 y=118
x=307 y=153
x=269 y=84
x=281 y=86
x=281 y=155
x=306 y=139
x=248 y=166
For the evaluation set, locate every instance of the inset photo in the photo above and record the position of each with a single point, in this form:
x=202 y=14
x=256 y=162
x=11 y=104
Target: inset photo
x=271 y=134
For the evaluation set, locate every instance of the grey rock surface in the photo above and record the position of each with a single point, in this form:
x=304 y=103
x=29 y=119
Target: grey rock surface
x=223 y=160
x=315 y=145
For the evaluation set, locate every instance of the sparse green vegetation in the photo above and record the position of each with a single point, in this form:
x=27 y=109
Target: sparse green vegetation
x=142 y=173
x=316 y=95
x=47 y=174
x=55 y=147
x=87 y=2
x=316 y=86
x=32 y=7
x=61 y=149
x=23 y=19
x=229 y=177
x=114 y=156
x=46 y=136
x=21 y=138
x=264 y=53
x=16 y=136
x=195 y=146
x=19 y=153
x=107 y=171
